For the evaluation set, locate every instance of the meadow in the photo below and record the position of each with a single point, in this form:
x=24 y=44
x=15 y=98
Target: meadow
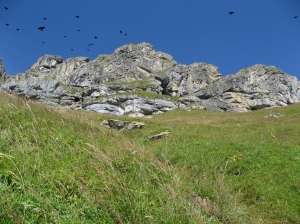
x=62 y=166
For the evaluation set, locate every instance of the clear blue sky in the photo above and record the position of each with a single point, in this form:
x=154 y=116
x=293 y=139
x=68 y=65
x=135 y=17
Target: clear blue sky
x=259 y=31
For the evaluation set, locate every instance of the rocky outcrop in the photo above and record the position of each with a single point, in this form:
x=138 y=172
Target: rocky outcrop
x=185 y=80
x=45 y=64
x=138 y=81
x=253 y=88
x=132 y=105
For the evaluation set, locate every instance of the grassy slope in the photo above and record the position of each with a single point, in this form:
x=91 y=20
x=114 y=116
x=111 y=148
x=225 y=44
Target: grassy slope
x=265 y=177
x=62 y=166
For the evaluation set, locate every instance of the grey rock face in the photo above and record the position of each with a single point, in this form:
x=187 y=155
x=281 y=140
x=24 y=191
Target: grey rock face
x=184 y=80
x=253 y=88
x=33 y=89
x=128 y=63
x=46 y=63
x=131 y=105
x=138 y=81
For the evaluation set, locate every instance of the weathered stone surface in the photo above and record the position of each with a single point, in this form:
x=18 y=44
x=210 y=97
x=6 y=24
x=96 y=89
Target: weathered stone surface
x=134 y=62
x=132 y=105
x=160 y=135
x=120 y=83
x=253 y=88
x=46 y=63
x=33 y=89
x=184 y=80
x=122 y=125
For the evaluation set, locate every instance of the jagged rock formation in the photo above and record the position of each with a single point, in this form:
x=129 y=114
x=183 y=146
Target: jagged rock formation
x=136 y=80
x=256 y=87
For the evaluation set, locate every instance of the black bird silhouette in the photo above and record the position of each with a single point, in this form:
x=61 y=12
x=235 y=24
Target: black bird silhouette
x=45 y=18
x=95 y=37
x=120 y=31
x=88 y=50
x=43 y=42
x=296 y=17
x=71 y=49
x=231 y=13
x=41 y=28
x=6 y=24
x=89 y=45
x=125 y=34
x=77 y=17
x=78 y=30
x=6 y=8
x=92 y=44
x=17 y=29
x=65 y=36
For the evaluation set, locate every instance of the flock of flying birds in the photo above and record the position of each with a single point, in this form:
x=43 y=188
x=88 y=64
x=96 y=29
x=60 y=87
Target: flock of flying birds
x=41 y=28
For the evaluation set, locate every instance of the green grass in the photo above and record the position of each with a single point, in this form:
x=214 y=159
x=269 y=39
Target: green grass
x=139 y=93
x=72 y=89
x=135 y=84
x=61 y=166
x=265 y=179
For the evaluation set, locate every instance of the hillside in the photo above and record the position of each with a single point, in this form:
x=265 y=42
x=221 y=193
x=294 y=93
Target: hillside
x=62 y=166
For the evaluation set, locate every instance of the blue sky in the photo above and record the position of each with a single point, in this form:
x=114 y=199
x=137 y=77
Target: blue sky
x=259 y=31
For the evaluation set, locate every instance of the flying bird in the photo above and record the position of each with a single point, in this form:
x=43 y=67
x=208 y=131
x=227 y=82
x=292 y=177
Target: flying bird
x=71 y=49
x=43 y=42
x=78 y=30
x=6 y=8
x=6 y=24
x=17 y=29
x=41 y=28
x=120 y=31
x=125 y=34
x=65 y=36
x=45 y=18
x=296 y=17
x=77 y=17
x=95 y=37
x=231 y=13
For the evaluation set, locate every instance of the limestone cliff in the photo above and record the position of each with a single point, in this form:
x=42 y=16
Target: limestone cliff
x=136 y=80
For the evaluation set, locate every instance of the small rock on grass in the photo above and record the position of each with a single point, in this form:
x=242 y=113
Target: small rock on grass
x=160 y=135
x=122 y=125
